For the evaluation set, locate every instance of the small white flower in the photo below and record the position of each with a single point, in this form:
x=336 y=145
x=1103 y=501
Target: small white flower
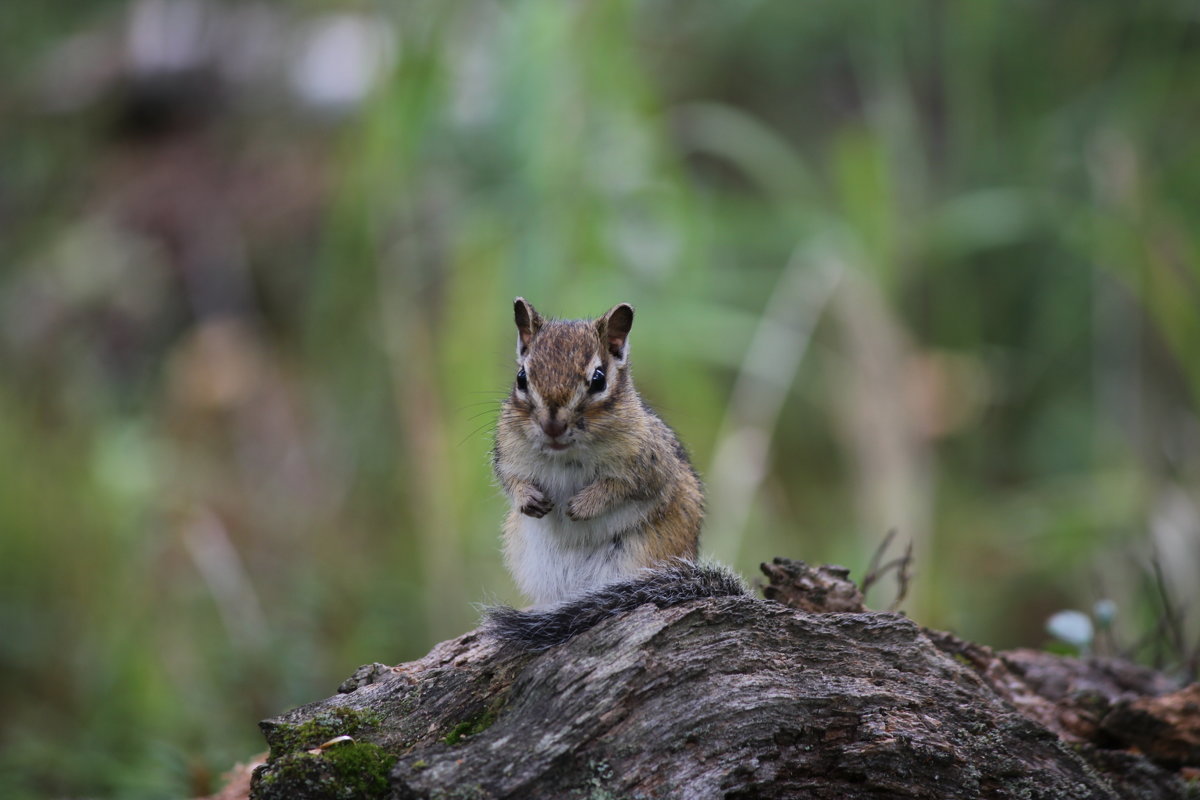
x=1105 y=611
x=1072 y=627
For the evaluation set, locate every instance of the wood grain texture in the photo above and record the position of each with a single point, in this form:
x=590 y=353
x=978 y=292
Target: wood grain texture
x=721 y=698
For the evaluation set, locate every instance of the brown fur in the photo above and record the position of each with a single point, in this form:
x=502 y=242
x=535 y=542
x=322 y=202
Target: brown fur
x=634 y=464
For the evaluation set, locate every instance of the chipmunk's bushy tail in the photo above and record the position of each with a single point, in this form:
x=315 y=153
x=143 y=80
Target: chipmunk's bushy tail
x=664 y=586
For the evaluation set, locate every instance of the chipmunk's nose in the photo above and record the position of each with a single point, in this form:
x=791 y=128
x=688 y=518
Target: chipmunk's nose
x=553 y=427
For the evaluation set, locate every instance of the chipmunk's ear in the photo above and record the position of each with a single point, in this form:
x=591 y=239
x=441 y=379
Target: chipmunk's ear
x=614 y=329
x=529 y=321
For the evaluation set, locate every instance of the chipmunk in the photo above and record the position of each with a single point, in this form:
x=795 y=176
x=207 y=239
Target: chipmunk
x=605 y=505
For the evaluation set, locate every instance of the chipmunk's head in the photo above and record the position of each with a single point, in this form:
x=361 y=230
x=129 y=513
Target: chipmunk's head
x=572 y=376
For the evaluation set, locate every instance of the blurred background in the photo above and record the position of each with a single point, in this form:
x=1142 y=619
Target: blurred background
x=927 y=266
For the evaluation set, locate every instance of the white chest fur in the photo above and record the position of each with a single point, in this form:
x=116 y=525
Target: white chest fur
x=555 y=558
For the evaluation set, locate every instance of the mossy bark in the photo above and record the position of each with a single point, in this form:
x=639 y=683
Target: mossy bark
x=721 y=698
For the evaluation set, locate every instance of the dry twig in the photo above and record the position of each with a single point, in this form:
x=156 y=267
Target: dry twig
x=902 y=566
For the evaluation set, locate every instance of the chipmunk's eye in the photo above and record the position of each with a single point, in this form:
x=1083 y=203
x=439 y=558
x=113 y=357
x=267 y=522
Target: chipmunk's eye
x=596 y=384
x=522 y=381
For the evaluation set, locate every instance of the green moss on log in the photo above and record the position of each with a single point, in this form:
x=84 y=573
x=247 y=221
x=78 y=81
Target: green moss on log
x=347 y=771
x=339 y=721
x=476 y=724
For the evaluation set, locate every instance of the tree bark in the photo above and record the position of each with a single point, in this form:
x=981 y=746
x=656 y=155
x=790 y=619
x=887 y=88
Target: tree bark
x=739 y=698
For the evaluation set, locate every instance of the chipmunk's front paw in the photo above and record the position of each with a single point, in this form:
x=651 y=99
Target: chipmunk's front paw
x=536 y=504
x=583 y=506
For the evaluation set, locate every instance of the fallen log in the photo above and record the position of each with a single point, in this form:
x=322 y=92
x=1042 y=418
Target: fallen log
x=736 y=697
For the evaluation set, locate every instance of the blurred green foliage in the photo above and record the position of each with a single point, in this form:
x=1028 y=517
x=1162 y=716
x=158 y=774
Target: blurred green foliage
x=925 y=265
